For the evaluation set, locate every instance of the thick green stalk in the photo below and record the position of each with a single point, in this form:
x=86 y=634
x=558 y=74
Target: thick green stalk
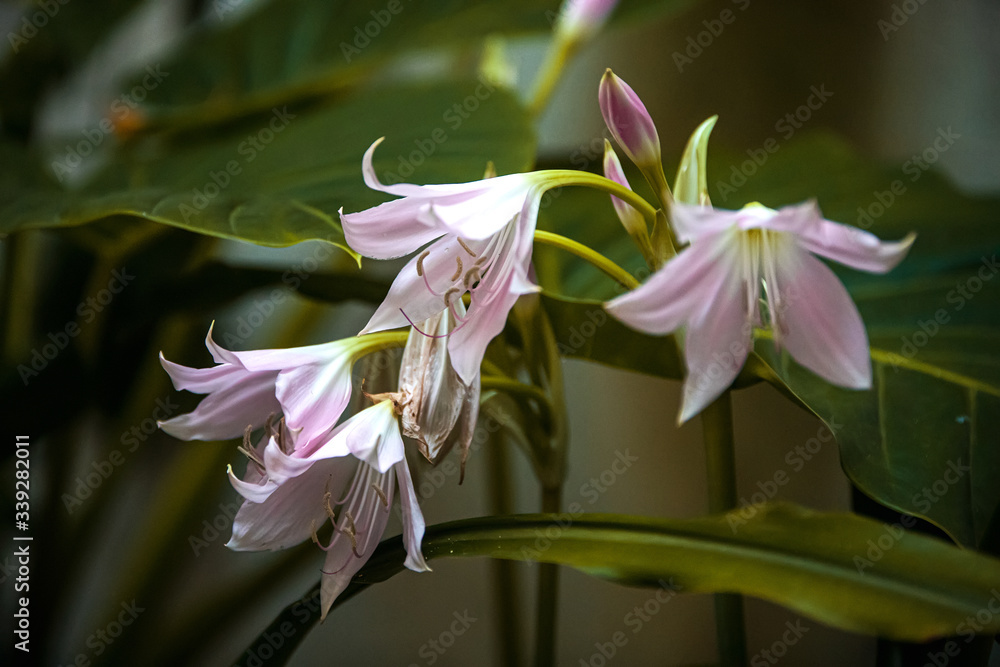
x=623 y=277
x=720 y=458
x=548 y=592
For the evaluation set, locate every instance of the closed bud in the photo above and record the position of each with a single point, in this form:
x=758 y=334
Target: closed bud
x=629 y=122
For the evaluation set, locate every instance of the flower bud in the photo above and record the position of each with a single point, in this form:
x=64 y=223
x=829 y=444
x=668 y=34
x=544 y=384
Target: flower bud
x=629 y=122
x=579 y=19
x=631 y=219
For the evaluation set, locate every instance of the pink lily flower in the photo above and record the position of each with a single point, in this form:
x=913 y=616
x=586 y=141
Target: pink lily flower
x=310 y=386
x=712 y=288
x=482 y=235
x=349 y=479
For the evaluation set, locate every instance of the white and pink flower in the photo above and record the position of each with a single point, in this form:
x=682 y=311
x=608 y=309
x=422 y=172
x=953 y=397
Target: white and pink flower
x=712 y=289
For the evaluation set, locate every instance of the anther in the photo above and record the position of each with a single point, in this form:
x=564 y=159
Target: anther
x=468 y=281
x=458 y=269
x=420 y=263
x=381 y=495
x=447 y=295
x=467 y=248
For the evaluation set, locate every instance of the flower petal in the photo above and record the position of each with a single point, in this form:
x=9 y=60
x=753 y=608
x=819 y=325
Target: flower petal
x=716 y=343
x=413 y=519
x=819 y=323
x=373 y=436
x=293 y=510
x=313 y=397
x=674 y=293
x=225 y=413
x=370 y=516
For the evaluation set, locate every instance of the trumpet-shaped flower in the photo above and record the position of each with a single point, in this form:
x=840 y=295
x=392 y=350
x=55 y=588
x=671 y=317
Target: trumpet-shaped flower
x=713 y=288
x=310 y=386
x=482 y=235
x=349 y=478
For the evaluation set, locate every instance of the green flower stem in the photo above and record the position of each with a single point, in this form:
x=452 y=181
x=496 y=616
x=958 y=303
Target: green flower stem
x=519 y=391
x=505 y=579
x=560 y=52
x=563 y=177
x=720 y=458
x=548 y=592
x=616 y=272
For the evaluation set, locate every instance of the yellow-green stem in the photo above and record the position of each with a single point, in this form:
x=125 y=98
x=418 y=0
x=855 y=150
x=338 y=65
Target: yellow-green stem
x=601 y=262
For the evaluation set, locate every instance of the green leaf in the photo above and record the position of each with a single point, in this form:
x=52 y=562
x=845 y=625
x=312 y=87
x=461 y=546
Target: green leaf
x=283 y=179
x=301 y=49
x=933 y=322
x=841 y=569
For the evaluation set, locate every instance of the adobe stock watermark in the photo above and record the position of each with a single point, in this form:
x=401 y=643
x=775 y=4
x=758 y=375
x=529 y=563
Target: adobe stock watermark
x=967 y=629
x=635 y=620
x=33 y=21
x=958 y=297
x=696 y=44
x=88 y=310
x=453 y=117
x=363 y=35
x=130 y=440
x=900 y=14
x=786 y=127
x=248 y=149
x=214 y=528
x=590 y=490
x=923 y=500
x=779 y=648
x=797 y=457
x=103 y=638
x=123 y=105
x=434 y=648
x=914 y=168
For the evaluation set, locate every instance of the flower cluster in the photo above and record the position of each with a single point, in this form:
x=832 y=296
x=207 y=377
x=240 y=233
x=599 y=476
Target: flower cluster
x=722 y=276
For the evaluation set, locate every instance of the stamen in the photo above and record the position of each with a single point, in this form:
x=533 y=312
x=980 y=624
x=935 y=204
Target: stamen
x=420 y=262
x=458 y=269
x=468 y=281
x=381 y=495
x=465 y=247
x=351 y=532
x=448 y=295
x=327 y=497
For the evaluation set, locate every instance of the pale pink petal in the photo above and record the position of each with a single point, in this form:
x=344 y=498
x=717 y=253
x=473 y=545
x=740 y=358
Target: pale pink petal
x=818 y=322
x=693 y=222
x=413 y=519
x=468 y=343
x=631 y=219
x=373 y=436
x=227 y=411
x=669 y=298
x=716 y=344
x=258 y=490
x=854 y=247
x=202 y=380
x=293 y=511
x=313 y=397
x=392 y=229
x=370 y=516
x=409 y=292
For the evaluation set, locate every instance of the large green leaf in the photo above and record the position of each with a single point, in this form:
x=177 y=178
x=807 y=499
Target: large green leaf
x=288 y=187
x=841 y=569
x=934 y=321
x=297 y=49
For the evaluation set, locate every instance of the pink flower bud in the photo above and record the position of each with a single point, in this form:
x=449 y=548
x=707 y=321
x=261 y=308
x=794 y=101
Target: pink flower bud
x=580 y=19
x=629 y=122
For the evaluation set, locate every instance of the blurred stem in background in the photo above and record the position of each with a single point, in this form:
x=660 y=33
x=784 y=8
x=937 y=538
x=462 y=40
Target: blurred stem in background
x=720 y=461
